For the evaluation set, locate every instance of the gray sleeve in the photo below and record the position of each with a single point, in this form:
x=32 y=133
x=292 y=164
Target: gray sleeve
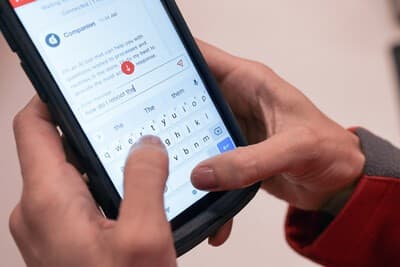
x=382 y=158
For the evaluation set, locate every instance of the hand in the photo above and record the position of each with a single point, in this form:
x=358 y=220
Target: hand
x=57 y=223
x=299 y=154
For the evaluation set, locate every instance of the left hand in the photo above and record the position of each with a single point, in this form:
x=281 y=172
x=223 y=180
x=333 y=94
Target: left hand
x=57 y=222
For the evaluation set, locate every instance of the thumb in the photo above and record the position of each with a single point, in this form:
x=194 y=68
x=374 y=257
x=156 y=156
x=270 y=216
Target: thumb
x=245 y=166
x=146 y=172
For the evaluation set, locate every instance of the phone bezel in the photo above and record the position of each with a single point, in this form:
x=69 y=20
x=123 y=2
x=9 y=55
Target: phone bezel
x=225 y=204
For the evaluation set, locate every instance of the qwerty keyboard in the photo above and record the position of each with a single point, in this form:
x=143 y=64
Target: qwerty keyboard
x=191 y=131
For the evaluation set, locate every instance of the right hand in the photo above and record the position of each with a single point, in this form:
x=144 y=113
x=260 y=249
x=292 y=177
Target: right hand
x=298 y=153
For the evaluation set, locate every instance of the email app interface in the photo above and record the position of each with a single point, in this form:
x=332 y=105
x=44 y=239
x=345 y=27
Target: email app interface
x=125 y=73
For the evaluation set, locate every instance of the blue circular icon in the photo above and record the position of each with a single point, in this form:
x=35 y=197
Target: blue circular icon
x=53 y=40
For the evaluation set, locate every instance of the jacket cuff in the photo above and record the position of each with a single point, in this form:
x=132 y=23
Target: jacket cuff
x=382 y=158
x=349 y=239
x=365 y=232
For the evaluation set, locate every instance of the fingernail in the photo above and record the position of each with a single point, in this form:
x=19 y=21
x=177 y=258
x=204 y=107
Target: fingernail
x=204 y=178
x=147 y=140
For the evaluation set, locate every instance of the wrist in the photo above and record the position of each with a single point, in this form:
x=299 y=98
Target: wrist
x=334 y=205
x=356 y=162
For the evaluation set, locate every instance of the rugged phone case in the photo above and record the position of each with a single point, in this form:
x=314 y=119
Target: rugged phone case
x=199 y=221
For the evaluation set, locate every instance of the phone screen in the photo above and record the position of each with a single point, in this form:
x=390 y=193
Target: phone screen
x=125 y=73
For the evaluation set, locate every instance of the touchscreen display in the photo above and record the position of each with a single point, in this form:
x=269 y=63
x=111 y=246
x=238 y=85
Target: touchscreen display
x=125 y=73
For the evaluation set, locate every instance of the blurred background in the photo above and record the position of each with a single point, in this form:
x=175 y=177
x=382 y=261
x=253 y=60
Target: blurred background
x=339 y=53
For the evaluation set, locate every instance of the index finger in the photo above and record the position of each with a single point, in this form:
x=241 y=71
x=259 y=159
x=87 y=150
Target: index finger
x=146 y=172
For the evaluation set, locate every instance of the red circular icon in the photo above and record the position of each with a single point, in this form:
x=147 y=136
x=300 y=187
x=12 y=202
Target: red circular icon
x=128 y=68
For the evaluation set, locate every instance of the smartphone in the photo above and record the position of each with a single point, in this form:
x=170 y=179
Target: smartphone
x=111 y=71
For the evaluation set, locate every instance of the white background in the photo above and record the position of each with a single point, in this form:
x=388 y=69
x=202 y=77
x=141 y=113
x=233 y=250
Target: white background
x=337 y=52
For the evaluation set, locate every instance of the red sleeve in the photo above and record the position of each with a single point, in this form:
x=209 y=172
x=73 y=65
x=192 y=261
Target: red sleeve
x=367 y=230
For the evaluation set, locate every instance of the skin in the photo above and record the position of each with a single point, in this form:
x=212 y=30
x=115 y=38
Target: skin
x=296 y=152
x=57 y=222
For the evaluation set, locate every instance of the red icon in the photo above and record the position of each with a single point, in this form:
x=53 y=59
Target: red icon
x=180 y=63
x=18 y=3
x=128 y=68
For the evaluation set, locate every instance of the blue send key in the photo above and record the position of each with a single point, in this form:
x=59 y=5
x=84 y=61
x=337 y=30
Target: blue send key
x=226 y=145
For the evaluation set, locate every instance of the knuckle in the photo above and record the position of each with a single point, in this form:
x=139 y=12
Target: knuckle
x=19 y=120
x=239 y=161
x=266 y=70
x=15 y=221
x=154 y=242
x=307 y=137
x=144 y=242
x=246 y=168
x=36 y=207
x=259 y=65
x=309 y=142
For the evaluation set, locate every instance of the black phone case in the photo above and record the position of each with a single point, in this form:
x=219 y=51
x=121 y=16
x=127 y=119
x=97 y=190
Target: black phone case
x=199 y=221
